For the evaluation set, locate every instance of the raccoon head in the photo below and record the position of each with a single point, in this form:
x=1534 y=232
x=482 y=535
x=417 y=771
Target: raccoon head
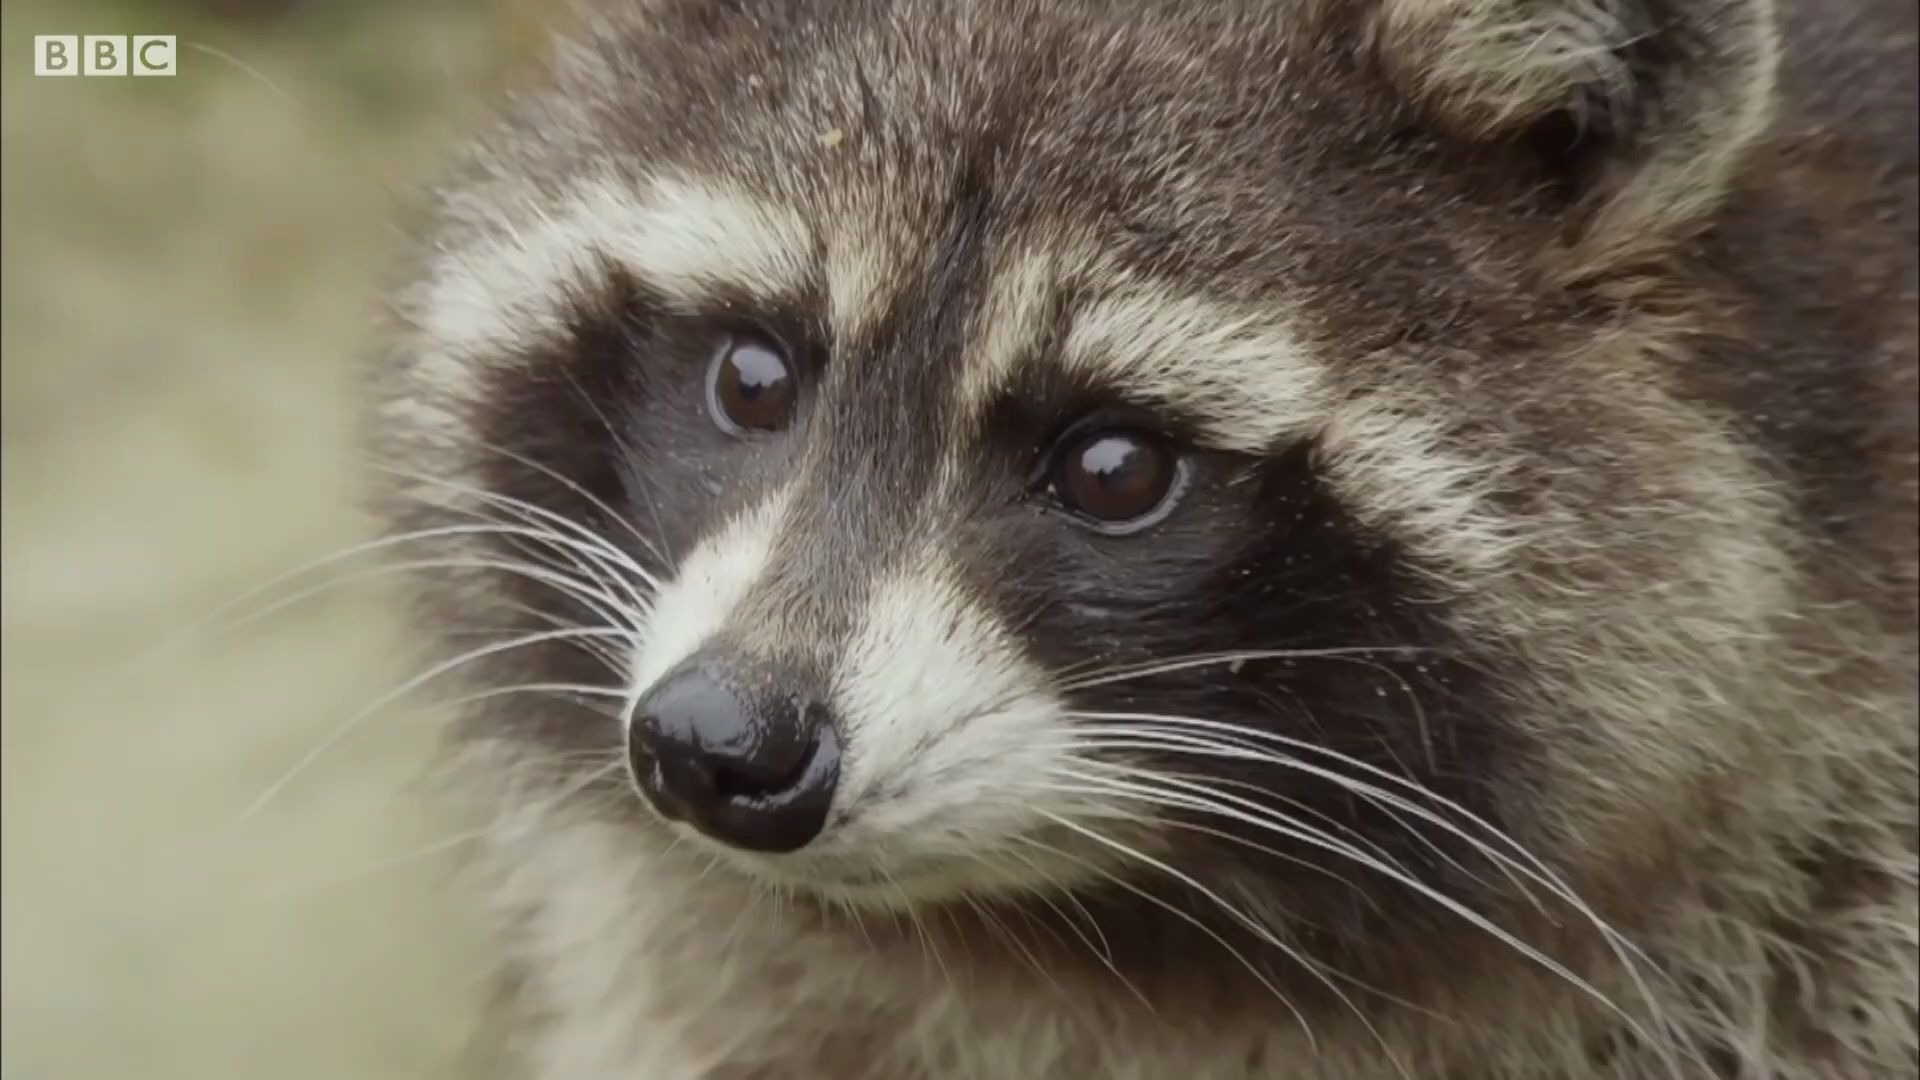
x=1222 y=459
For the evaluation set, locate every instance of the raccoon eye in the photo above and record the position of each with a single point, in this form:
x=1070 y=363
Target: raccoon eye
x=750 y=386
x=1121 y=481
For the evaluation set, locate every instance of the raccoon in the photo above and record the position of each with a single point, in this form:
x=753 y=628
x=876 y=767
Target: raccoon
x=1313 y=539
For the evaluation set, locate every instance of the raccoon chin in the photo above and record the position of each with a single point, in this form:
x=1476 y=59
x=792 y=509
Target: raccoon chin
x=892 y=885
x=887 y=890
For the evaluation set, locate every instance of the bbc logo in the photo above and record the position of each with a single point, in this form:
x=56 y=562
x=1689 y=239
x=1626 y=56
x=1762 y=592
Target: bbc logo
x=107 y=54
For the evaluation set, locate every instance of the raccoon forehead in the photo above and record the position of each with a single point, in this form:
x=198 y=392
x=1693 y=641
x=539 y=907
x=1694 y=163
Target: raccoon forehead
x=518 y=262
x=510 y=262
x=1241 y=376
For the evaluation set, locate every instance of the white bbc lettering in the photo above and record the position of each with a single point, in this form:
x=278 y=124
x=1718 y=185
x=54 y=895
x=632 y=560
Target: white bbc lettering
x=105 y=54
x=56 y=54
x=153 y=54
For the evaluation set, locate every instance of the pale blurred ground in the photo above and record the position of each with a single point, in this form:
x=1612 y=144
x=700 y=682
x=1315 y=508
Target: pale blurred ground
x=188 y=269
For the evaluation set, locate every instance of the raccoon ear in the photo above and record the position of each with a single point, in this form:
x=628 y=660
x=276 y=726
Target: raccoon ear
x=1644 y=106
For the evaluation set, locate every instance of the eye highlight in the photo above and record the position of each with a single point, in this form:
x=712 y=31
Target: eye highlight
x=1119 y=481
x=751 y=385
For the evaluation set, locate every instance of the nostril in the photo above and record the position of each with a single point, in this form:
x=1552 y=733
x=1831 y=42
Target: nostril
x=759 y=778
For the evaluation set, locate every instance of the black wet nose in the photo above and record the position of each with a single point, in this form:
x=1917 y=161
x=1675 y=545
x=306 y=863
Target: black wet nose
x=755 y=770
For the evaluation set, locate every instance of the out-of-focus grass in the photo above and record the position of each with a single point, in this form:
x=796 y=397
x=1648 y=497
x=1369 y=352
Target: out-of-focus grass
x=188 y=266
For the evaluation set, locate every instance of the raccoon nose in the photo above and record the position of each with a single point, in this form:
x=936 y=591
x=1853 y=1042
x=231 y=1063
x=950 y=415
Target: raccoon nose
x=756 y=771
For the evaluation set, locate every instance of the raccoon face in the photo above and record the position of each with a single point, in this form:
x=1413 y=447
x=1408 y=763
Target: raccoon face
x=940 y=623
x=1004 y=448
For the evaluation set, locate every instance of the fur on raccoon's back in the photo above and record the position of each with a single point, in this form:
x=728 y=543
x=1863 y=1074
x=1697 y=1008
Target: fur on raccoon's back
x=1608 y=312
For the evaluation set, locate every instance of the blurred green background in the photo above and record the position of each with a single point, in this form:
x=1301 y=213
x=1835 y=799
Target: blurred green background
x=188 y=274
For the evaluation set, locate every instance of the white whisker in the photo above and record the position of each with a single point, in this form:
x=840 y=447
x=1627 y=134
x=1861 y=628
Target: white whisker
x=1148 y=738
x=1240 y=656
x=1219 y=939
x=1532 y=868
x=440 y=846
x=402 y=690
x=531 y=513
x=602 y=604
x=1281 y=825
x=574 y=486
x=1141 y=725
x=1103 y=951
x=579 y=537
x=653 y=508
x=209 y=621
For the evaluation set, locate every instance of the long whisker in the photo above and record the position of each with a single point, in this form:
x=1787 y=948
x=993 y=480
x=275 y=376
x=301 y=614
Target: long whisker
x=926 y=938
x=442 y=845
x=1143 y=788
x=1149 y=737
x=225 y=609
x=1266 y=849
x=1537 y=872
x=615 y=659
x=591 y=566
x=1142 y=724
x=602 y=604
x=558 y=688
x=1012 y=941
x=1315 y=968
x=1540 y=872
x=1089 y=739
x=595 y=548
x=1165 y=743
x=1218 y=938
x=1103 y=951
x=653 y=506
x=1238 y=656
x=1110 y=786
x=574 y=486
x=402 y=690
x=534 y=515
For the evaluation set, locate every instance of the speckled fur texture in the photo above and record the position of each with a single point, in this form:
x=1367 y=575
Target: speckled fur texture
x=1547 y=576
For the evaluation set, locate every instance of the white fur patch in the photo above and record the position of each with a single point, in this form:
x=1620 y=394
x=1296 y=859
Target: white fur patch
x=952 y=739
x=860 y=263
x=1396 y=472
x=711 y=583
x=1242 y=374
x=683 y=236
x=1245 y=377
x=1009 y=320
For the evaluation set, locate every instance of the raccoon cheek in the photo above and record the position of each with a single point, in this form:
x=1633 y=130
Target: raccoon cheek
x=942 y=709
